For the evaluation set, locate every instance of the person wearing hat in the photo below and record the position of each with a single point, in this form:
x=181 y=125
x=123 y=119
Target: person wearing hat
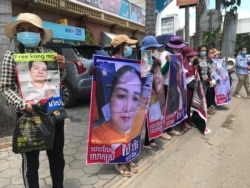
x=188 y=54
x=29 y=32
x=173 y=46
x=213 y=53
x=150 y=43
x=121 y=46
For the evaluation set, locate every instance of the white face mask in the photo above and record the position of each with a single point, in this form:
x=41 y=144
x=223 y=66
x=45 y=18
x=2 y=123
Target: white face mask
x=156 y=54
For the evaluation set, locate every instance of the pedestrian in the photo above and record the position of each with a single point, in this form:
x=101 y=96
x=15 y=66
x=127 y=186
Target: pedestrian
x=121 y=48
x=29 y=32
x=188 y=55
x=242 y=69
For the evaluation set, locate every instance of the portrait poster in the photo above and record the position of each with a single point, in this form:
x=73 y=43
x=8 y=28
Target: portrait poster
x=222 y=88
x=146 y=62
x=119 y=103
x=156 y=105
x=38 y=78
x=176 y=107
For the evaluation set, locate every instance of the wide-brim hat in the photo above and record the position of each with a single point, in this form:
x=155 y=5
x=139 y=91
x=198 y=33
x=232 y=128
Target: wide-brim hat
x=11 y=28
x=187 y=51
x=119 y=39
x=150 y=42
x=176 y=42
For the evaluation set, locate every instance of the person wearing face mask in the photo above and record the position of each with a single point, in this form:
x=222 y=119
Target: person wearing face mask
x=121 y=48
x=29 y=32
x=174 y=46
x=210 y=95
x=150 y=43
x=203 y=67
x=242 y=69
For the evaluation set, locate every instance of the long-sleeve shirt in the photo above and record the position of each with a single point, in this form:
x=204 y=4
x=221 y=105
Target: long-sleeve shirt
x=8 y=81
x=241 y=65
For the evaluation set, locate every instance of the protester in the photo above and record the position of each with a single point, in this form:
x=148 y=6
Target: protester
x=174 y=46
x=210 y=95
x=188 y=55
x=30 y=34
x=242 y=69
x=203 y=67
x=121 y=48
x=150 y=43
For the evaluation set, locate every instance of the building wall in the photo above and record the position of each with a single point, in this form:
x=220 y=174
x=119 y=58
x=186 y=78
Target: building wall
x=95 y=28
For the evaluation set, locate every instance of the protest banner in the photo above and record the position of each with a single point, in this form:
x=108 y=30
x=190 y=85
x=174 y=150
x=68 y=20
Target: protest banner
x=222 y=87
x=156 y=105
x=176 y=107
x=119 y=103
x=38 y=78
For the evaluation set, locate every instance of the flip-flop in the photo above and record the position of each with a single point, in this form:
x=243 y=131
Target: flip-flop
x=123 y=170
x=133 y=167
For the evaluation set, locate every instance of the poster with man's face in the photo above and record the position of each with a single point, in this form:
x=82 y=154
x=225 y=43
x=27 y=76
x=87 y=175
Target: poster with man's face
x=38 y=77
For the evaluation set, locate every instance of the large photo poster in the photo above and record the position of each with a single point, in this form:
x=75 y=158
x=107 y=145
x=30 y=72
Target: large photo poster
x=176 y=107
x=119 y=103
x=38 y=78
x=222 y=88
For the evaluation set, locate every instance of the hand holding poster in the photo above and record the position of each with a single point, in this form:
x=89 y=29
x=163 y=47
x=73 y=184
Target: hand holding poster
x=119 y=102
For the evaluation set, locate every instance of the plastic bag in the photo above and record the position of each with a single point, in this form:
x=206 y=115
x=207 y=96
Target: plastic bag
x=34 y=131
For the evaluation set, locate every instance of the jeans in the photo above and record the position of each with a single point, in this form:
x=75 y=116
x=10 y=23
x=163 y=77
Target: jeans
x=30 y=162
x=242 y=80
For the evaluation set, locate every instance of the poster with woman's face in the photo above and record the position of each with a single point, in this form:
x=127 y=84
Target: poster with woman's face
x=38 y=76
x=119 y=103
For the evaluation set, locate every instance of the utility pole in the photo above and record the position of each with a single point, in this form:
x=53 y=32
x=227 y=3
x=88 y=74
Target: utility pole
x=187 y=24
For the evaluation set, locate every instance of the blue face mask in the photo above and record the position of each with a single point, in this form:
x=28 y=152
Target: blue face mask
x=203 y=54
x=128 y=51
x=244 y=52
x=29 y=39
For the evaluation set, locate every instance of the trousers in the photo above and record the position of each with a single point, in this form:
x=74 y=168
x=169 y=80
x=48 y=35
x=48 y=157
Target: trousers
x=30 y=162
x=243 y=80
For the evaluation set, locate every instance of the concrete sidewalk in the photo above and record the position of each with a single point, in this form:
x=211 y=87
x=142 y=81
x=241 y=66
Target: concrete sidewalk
x=79 y=175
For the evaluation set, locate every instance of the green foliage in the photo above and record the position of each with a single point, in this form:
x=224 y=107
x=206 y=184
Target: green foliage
x=242 y=40
x=209 y=39
x=232 y=5
x=89 y=37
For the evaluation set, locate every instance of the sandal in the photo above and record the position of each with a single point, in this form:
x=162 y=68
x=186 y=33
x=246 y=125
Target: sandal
x=133 y=167
x=123 y=170
x=188 y=126
x=211 y=111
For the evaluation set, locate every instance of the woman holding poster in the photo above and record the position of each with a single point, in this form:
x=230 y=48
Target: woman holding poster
x=125 y=98
x=29 y=32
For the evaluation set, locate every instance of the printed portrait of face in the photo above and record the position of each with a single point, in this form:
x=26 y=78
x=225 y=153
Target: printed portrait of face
x=158 y=79
x=125 y=99
x=38 y=71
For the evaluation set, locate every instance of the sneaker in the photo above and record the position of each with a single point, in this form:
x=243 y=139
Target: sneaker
x=174 y=132
x=165 y=136
x=237 y=96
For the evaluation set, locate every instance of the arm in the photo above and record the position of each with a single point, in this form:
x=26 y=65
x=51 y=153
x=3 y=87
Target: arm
x=165 y=68
x=8 y=85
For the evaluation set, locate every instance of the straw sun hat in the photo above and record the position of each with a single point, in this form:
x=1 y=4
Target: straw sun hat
x=11 y=28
